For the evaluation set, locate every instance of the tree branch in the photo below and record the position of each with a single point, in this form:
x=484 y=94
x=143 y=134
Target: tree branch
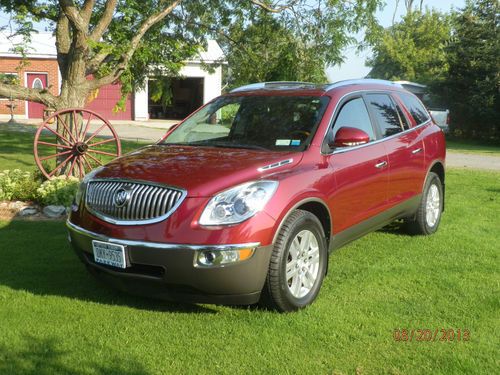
x=94 y=62
x=63 y=42
x=86 y=11
x=25 y=93
x=105 y=20
x=42 y=13
x=125 y=58
x=73 y=14
x=273 y=9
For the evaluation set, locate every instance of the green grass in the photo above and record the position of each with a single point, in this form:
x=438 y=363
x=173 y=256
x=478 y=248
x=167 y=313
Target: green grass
x=16 y=149
x=55 y=318
x=472 y=147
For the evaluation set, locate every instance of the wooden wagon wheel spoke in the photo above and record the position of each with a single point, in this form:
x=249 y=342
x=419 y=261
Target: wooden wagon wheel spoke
x=77 y=128
x=66 y=150
x=94 y=159
x=60 y=165
x=101 y=152
x=56 y=155
x=87 y=162
x=86 y=128
x=80 y=167
x=72 y=166
x=57 y=134
x=55 y=145
x=95 y=133
x=67 y=129
x=102 y=142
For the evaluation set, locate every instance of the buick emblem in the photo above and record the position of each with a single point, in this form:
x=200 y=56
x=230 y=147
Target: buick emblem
x=121 y=197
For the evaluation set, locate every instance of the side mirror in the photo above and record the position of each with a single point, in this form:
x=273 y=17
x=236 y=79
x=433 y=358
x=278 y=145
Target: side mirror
x=348 y=137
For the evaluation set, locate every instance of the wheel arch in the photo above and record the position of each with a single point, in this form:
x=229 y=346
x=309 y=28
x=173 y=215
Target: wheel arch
x=318 y=208
x=437 y=167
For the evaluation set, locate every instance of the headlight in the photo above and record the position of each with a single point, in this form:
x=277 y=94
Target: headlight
x=238 y=204
x=83 y=185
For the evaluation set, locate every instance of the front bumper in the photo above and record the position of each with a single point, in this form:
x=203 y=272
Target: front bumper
x=167 y=271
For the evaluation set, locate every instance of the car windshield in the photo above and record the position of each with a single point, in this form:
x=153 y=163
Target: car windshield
x=280 y=123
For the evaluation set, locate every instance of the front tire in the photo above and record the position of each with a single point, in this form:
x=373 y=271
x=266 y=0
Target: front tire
x=298 y=263
x=428 y=216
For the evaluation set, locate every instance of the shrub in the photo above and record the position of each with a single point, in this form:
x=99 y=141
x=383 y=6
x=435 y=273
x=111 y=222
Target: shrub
x=58 y=191
x=18 y=185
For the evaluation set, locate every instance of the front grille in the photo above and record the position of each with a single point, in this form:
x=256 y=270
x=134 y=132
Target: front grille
x=131 y=202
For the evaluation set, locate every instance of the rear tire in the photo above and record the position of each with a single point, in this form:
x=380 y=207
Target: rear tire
x=298 y=263
x=428 y=215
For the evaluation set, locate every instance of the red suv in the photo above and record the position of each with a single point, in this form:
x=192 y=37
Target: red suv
x=246 y=198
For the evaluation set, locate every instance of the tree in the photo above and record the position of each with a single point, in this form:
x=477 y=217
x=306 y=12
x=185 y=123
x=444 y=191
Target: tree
x=413 y=49
x=297 y=46
x=472 y=85
x=270 y=53
x=102 y=41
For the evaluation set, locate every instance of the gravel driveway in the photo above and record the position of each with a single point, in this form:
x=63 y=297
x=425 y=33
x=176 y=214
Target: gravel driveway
x=472 y=161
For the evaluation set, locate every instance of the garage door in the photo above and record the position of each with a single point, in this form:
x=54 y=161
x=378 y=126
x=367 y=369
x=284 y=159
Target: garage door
x=106 y=100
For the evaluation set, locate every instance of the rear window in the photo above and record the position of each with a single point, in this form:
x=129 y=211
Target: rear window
x=415 y=108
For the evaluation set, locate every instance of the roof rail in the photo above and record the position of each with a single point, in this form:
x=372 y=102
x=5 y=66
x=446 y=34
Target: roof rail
x=276 y=85
x=361 y=82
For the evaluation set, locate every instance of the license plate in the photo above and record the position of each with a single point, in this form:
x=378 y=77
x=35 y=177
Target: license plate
x=109 y=254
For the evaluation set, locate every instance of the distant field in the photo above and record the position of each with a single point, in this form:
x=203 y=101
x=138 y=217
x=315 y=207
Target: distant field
x=56 y=319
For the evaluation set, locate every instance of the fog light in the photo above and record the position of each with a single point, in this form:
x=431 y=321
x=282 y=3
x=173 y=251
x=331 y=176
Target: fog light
x=209 y=258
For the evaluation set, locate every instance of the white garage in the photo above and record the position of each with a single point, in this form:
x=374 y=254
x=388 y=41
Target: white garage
x=192 y=88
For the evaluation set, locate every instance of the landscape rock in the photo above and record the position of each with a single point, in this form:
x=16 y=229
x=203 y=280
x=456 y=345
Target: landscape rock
x=17 y=205
x=28 y=211
x=54 y=211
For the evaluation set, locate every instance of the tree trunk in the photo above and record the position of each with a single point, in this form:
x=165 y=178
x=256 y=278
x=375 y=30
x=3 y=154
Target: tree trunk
x=74 y=93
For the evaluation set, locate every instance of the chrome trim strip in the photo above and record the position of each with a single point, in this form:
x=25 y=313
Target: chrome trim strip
x=363 y=81
x=274 y=85
x=148 y=186
x=275 y=165
x=379 y=140
x=159 y=245
x=369 y=143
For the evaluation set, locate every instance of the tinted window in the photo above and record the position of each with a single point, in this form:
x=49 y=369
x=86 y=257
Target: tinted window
x=415 y=108
x=386 y=114
x=355 y=115
x=402 y=117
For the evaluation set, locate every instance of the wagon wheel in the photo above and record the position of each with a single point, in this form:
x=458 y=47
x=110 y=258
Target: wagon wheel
x=74 y=141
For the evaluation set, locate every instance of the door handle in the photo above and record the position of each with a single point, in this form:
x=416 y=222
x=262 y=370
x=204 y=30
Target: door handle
x=382 y=164
x=416 y=151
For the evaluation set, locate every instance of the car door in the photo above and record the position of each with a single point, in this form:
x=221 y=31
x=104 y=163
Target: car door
x=404 y=147
x=360 y=172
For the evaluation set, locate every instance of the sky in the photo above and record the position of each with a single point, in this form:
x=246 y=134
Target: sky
x=354 y=64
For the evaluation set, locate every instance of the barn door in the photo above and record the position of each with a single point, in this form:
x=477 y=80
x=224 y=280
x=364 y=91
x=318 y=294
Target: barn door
x=37 y=81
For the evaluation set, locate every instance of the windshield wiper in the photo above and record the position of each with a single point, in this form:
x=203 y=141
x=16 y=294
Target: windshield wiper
x=236 y=145
x=211 y=143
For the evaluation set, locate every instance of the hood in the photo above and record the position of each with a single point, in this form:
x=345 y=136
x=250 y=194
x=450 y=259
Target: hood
x=202 y=171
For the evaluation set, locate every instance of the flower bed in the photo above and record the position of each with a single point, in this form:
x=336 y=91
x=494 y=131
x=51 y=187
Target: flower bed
x=26 y=194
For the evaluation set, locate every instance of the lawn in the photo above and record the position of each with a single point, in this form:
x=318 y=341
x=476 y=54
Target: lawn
x=16 y=149
x=472 y=147
x=55 y=318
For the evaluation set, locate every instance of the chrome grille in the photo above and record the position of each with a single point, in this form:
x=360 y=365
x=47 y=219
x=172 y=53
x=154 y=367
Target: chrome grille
x=143 y=202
